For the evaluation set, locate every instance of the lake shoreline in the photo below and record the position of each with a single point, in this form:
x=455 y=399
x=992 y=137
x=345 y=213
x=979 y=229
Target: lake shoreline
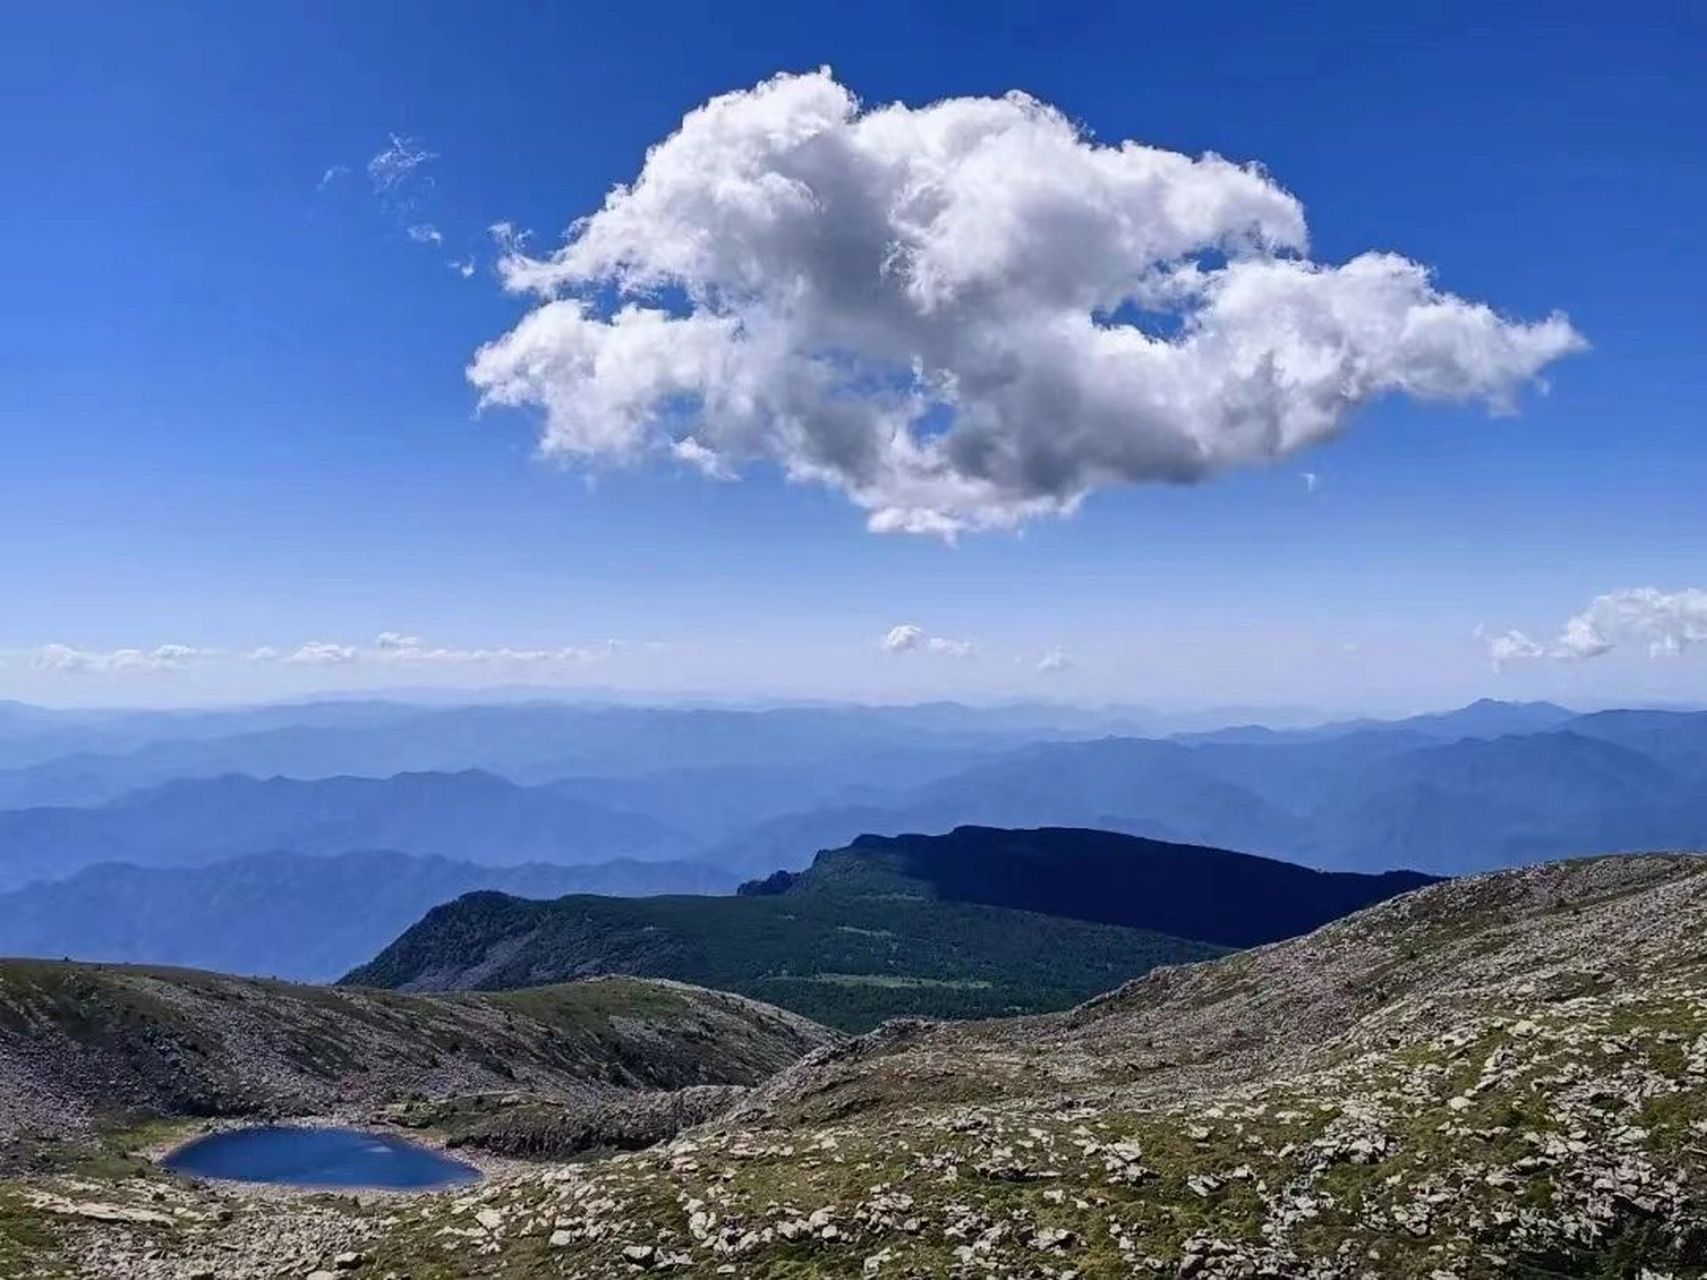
x=489 y=1167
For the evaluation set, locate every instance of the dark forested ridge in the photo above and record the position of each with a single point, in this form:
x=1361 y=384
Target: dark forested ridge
x=844 y=960
x=845 y=950
x=1213 y=895
x=974 y=923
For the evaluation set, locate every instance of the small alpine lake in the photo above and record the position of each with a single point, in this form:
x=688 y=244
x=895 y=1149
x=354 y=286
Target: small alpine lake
x=300 y=1156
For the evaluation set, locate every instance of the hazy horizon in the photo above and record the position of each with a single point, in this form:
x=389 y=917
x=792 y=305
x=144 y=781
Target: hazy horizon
x=853 y=675
x=1170 y=715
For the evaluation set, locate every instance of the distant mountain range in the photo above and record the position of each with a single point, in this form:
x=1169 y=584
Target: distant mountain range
x=944 y=926
x=746 y=792
x=1484 y=718
x=1490 y=785
x=1445 y=794
x=286 y=915
x=469 y=816
x=81 y=758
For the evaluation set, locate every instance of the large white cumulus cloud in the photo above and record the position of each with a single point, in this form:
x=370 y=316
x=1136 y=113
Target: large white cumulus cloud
x=967 y=314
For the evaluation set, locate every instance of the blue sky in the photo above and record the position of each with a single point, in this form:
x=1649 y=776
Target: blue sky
x=237 y=415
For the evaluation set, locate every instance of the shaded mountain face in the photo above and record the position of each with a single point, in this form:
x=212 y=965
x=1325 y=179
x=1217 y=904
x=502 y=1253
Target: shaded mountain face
x=1213 y=895
x=285 y=915
x=82 y=1045
x=847 y=947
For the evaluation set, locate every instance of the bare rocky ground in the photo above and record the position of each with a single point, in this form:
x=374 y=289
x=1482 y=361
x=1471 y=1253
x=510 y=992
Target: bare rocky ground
x=104 y=1066
x=1504 y=1076
x=83 y=1045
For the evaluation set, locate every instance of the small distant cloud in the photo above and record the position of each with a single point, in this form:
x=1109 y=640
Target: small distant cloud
x=1054 y=660
x=321 y=653
x=424 y=233
x=1505 y=647
x=398 y=647
x=1664 y=622
x=393 y=646
x=464 y=268
x=1312 y=481
x=389 y=647
x=902 y=637
x=906 y=637
x=166 y=657
x=708 y=462
x=332 y=175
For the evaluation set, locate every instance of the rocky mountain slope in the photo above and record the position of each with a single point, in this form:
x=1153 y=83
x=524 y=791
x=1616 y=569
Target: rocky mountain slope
x=87 y=1046
x=1503 y=1076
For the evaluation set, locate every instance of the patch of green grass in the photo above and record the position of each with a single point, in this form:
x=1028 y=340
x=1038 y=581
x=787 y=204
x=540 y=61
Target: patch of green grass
x=24 y=1233
x=899 y=956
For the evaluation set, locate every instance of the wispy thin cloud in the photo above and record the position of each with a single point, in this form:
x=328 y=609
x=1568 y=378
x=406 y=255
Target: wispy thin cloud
x=165 y=657
x=708 y=462
x=398 y=165
x=320 y=653
x=400 y=648
x=508 y=237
